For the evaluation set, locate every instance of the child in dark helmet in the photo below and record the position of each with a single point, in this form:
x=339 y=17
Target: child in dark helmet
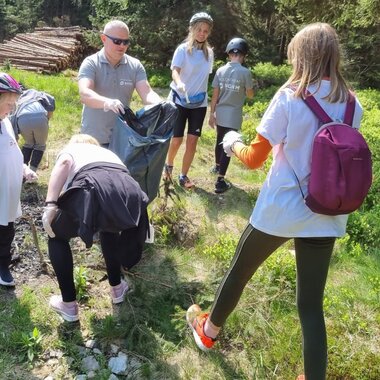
x=12 y=172
x=231 y=85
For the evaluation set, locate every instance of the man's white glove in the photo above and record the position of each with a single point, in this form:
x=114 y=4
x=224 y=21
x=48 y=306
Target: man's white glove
x=181 y=87
x=229 y=139
x=114 y=105
x=48 y=216
x=29 y=175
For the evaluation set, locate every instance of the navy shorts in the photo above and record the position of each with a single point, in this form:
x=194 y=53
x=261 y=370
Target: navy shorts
x=194 y=117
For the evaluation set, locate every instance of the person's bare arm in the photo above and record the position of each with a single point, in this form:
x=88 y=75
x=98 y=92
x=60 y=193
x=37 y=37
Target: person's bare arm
x=92 y=99
x=146 y=93
x=214 y=101
x=177 y=79
x=58 y=177
x=249 y=93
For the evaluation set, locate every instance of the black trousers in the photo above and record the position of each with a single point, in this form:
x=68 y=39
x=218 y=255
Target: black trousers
x=7 y=234
x=221 y=159
x=120 y=249
x=312 y=261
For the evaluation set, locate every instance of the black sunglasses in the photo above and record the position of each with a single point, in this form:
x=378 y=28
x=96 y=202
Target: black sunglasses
x=118 y=41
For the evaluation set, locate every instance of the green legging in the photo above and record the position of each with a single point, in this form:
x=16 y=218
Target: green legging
x=312 y=260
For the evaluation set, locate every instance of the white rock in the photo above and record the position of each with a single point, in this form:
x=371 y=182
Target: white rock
x=90 y=364
x=119 y=364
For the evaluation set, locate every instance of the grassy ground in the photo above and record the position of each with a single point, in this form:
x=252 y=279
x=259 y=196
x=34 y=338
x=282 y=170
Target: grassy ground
x=195 y=237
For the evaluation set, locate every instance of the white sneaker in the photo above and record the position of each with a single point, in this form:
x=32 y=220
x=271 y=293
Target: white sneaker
x=118 y=292
x=67 y=310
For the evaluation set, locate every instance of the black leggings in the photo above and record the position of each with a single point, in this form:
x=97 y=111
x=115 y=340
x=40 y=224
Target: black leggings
x=122 y=249
x=312 y=261
x=62 y=261
x=7 y=234
x=221 y=159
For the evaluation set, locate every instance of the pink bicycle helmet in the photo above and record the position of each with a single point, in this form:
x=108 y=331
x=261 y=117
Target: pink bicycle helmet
x=9 y=84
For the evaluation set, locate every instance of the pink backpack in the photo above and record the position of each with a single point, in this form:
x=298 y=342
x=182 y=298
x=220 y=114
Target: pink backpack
x=341 y=164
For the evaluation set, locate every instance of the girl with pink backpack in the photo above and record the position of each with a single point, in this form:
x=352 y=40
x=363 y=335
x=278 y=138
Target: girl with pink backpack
x=280 y=213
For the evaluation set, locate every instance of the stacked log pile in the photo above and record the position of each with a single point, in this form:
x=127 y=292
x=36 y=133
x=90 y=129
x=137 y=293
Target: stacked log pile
x=46 y=50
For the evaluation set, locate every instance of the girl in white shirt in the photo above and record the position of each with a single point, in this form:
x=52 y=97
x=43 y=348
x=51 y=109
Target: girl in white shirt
x=12 y=172
x=191 y=66
x=280 y=214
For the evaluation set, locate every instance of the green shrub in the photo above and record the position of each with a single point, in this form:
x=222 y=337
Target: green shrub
x=30 y=344
x=223 y=249
x=268 y=74
x=279 y=270
x=364 y=227
x=159 y=77
x=80 y=280
x=264 y=95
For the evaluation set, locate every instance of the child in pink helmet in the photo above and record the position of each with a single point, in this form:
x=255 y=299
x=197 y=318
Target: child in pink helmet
x=12 y=172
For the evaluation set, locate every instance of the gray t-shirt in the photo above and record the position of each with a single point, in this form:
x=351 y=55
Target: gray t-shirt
x=116 y=82
x=233 y=80
x=33 y=102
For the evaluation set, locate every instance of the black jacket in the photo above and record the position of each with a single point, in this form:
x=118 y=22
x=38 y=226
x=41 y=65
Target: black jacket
x=101 y=197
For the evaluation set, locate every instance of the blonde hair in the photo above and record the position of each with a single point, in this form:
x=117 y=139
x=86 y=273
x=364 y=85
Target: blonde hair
x=82 y=138
x=315 y=53
x=192 y=42
x=115 y=24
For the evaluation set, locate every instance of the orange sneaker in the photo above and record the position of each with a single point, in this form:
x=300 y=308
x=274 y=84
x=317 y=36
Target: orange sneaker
x=196 y=320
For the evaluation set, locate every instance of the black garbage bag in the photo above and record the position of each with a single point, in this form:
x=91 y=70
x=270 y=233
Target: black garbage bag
x=142 y=140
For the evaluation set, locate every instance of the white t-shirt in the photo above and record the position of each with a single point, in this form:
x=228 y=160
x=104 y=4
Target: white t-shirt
x=11 y=174
x=83 y=154
x=195 y=71
x=290 y=125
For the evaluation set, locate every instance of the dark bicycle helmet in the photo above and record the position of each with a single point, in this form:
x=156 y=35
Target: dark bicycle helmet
x=201 y=16
x=9 y=84
x=237 y=45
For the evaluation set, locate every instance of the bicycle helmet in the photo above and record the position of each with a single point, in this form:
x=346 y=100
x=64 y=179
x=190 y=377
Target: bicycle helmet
x=9 y=84
x=201 y=16
x=237 y=45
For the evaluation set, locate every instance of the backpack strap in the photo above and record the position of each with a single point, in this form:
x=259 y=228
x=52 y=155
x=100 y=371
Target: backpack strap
x=315 y=107
x=350 y=110
x=318 y=111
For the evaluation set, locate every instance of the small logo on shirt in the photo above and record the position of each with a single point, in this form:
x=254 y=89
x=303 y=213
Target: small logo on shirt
x=125 y=82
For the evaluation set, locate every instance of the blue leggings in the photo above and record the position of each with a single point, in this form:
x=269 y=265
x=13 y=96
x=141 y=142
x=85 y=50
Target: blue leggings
x=312 y=260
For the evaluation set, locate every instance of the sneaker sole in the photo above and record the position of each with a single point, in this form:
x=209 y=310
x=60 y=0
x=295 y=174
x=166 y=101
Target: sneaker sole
x=197 y=339
x=66 y=317
x=5 y=283
x=120 y=299
x=187 y=185
x=218 y=191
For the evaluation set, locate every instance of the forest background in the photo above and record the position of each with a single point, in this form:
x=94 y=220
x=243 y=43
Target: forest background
x=196 y=232
x=157 y=26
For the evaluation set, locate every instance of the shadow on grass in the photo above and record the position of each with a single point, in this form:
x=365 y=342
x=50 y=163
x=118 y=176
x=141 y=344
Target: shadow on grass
x=150 y=324
x=15 y=326
x=235 y=201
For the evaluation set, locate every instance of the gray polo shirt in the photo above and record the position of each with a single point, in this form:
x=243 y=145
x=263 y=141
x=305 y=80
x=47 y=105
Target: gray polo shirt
x=233 y=80
x=116 y=82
